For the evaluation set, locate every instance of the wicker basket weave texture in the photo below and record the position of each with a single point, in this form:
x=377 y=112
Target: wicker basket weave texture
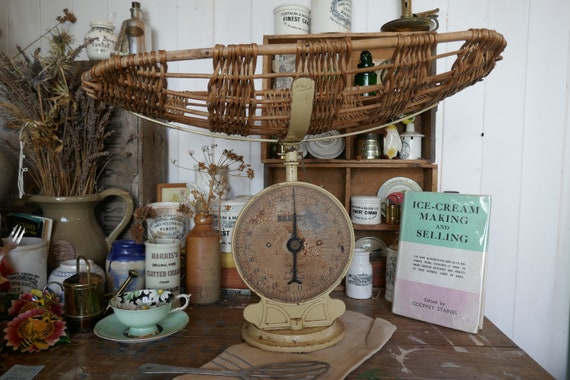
x=231 y=101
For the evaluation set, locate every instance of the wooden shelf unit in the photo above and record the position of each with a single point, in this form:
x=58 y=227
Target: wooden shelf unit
x=348 y=175
x=424 y=123
x=345 y=178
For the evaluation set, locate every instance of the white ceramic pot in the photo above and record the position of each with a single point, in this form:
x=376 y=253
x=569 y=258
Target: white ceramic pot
x=103 y=40
x=359 y=276
x=331 y=16
x=29 y=261
x=67 y=269
x=365 y=209
x=291 y=19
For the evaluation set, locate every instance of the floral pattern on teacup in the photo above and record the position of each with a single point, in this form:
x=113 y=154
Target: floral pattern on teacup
x=142 y=299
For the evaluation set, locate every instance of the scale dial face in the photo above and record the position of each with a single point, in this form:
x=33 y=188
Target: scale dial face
x=293 y=242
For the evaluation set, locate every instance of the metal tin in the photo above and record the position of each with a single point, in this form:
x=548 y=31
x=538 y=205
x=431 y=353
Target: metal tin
x=392 y=213
x=368 y=146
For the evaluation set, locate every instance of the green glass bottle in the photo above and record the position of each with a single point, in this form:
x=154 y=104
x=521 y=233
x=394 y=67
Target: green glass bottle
x=368 y=78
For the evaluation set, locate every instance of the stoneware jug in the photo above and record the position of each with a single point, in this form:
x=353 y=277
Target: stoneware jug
x=76 y=230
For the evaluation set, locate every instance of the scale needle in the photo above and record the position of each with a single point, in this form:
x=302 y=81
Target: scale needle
x=294 y=244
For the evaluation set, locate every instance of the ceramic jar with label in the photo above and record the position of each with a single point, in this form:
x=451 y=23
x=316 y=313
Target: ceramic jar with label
x=169 y=223
x=103 y=40
x=224 y=225
x=358 y=280
x=365 y=209
x=411 y=143
x=162 y=265
x=291 y=19
x=125 y=255
x=331 y=16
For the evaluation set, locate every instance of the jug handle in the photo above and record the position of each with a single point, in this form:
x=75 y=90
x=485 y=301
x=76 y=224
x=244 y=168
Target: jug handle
x=126 y=217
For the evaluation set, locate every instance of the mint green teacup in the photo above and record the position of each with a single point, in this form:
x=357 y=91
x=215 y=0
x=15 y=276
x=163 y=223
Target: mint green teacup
x=143 y=310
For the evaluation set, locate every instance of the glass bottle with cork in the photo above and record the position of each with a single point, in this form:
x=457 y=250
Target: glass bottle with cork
x=134 y=36
x=366 y=78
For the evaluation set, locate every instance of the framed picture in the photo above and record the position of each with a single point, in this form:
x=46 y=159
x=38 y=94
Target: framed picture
x=170 y=192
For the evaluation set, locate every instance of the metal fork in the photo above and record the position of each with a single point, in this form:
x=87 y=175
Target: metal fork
x=13 y=240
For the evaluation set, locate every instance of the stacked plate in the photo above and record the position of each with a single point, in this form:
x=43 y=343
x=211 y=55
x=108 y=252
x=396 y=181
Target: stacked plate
x=394 y=185
x=326 y=148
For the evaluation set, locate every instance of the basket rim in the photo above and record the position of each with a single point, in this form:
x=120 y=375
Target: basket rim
x=233 y=104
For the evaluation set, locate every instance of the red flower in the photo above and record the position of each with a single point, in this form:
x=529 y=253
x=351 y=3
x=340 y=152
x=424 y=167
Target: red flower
x=35 y=330
x=35 y=299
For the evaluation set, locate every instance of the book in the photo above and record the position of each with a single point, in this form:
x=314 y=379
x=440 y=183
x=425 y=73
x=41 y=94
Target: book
x=35 y=225
x=440 y=270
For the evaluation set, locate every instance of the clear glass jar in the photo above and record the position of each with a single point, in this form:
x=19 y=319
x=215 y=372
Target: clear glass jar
x=103 y=40
x=358 y=280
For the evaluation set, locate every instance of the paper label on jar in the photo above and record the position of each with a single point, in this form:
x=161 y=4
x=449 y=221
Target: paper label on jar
x=168 y=227
x=162 y=267
x=331 y=16
x=230 y=211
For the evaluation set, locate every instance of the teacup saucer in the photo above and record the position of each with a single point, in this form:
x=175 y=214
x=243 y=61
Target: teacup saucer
x=111 y=329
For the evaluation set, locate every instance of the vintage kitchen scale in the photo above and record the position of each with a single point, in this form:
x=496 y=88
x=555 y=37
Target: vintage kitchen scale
x=293 y=241
x=292 y=245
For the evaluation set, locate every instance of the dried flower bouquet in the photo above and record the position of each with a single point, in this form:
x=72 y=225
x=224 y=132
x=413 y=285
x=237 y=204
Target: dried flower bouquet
x=217 y=173
x=61 y=130
x=198 y=202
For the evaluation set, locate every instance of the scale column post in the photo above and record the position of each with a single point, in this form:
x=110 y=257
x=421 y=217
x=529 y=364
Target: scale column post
x=291 y=162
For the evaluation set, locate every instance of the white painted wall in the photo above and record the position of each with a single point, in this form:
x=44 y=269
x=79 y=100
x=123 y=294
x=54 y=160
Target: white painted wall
x=507 y=136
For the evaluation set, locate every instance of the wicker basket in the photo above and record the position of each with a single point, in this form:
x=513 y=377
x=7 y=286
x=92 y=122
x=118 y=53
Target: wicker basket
x=236 y=99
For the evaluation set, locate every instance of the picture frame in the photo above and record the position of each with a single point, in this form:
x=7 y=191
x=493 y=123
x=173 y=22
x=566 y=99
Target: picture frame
x=170 y=192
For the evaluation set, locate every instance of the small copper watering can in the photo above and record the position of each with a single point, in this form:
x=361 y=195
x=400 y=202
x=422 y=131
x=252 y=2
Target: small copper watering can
x=84 y=296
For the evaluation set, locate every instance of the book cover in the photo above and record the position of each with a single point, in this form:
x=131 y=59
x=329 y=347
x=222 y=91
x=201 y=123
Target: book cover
x=440 y=272
x=36 y=226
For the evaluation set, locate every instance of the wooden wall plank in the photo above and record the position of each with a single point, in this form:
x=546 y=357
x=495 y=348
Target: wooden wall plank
x=547 y=73
x=502 y=154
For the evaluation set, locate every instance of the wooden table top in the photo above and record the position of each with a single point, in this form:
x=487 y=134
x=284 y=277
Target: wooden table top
x=416 y=350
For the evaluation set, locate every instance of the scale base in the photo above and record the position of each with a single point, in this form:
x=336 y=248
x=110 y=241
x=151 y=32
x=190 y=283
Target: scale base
x=293 y=341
